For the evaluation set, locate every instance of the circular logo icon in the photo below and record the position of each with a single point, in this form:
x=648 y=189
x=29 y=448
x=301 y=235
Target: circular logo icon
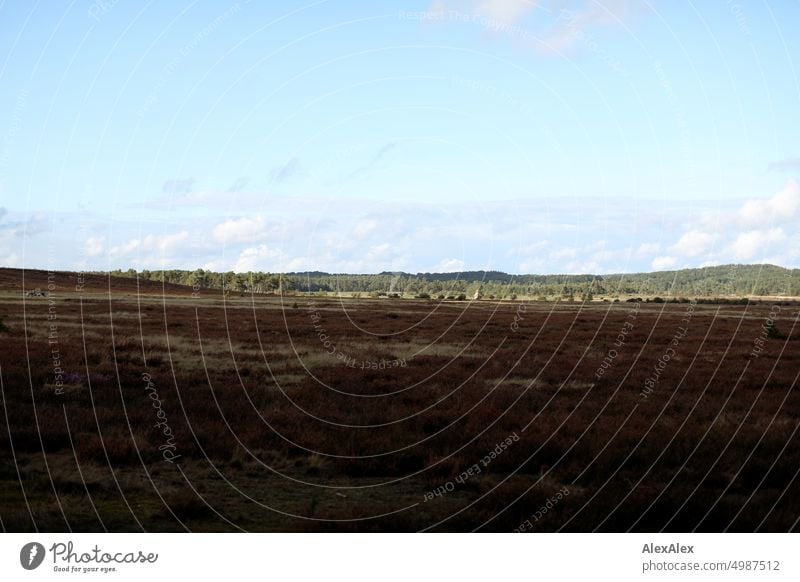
x=31 y=555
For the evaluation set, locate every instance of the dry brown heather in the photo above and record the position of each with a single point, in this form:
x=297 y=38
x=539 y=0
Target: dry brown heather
x=273 y=432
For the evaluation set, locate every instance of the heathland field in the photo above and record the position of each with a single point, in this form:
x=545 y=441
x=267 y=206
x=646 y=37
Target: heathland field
x=137 y=406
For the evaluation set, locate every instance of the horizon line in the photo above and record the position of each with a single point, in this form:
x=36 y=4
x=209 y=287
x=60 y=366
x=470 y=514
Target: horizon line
x=454 y=273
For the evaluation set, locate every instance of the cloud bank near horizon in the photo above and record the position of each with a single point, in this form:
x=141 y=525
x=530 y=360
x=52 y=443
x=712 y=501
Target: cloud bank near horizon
x=552 y=235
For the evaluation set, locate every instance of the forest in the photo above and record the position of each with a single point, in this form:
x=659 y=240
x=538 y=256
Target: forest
x=725 y=281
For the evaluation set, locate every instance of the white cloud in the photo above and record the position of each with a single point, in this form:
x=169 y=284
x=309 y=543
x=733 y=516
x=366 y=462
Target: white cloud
x=772 y=260
x=259 y=258
x=309 y=264
x=239 y=230
x=449 y=266
x=760 y=219
x=533 y=248
x=749 y=243
x=505 y=11
x=495 y=15
x=603 y=256
x=647 y=249
x=364 y=227
x=693 y=243
x=125 y=249
x=162 y=244
x=214 y=265
x=94 y=246
x=562 y=254
x=663 y=263
x=582 y=268
x=530 y=266
x=378 y=253
x=781 y=208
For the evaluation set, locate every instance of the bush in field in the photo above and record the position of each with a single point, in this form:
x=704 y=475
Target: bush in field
x=3 y=327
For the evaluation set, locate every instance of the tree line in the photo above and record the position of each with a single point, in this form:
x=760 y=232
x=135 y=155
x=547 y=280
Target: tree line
x=718 y=281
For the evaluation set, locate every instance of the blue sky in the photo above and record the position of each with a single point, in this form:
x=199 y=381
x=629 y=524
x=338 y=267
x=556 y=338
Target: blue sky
x=531 y=137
